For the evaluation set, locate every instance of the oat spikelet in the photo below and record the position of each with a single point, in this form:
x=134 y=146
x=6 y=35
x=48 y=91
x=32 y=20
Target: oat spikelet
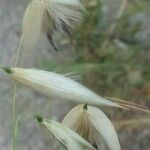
x=43 y=17
x=68 y=139
x=58 y=86
x=93 y=125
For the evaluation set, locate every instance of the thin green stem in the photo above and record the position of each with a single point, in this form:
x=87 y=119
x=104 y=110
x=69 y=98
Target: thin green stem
x=15 y=136
x=18 y=53
x=14 y=104
x=14 y=99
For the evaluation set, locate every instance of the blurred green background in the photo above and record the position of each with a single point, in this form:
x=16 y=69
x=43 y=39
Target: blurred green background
x=112 y=56
x=109 y=53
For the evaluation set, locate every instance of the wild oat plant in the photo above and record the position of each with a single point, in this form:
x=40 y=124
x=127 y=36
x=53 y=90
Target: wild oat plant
x=85 y=125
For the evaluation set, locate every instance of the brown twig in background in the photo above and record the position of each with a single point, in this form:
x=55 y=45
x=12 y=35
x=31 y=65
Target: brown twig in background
x=131 y=123
x=112 y=27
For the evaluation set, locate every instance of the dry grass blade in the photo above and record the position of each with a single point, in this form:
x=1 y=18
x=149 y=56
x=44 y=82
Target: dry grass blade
x=112 y=27
x=132 y=123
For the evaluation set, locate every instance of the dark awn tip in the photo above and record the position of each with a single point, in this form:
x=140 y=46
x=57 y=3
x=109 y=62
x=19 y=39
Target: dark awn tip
x=65 y=27
x=50 y=39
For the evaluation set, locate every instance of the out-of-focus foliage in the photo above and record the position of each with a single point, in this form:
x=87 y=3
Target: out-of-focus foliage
x=114 y=63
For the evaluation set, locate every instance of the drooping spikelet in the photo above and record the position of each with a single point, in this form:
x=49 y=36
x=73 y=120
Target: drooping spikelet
x=33 y=27
x=43 y=17
x=58 y=86
x=93 y=125
x=68 y=139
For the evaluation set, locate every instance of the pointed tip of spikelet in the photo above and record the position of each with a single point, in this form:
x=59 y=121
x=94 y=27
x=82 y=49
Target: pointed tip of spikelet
x=7 y=70
x=39 y=118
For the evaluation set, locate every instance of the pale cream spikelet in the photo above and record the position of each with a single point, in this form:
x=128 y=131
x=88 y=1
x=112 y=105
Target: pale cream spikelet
x=57 y=86
x=32 y=28
x=93 y=125
x=43 y=17
x=68 y=139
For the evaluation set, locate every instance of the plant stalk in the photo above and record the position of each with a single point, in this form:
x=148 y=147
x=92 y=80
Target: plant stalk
x=14 y=100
